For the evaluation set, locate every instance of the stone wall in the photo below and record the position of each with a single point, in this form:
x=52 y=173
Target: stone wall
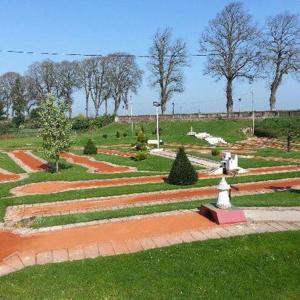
x=210 y=116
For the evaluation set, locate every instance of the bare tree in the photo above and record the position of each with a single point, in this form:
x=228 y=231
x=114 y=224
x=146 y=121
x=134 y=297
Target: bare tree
x=167 y=59
x=85 y=73
x=100 y=83
x=230 y=43
x=67 y=81
x=7 y=82
x=124 y=77
x=44 y=78
x=281 y=44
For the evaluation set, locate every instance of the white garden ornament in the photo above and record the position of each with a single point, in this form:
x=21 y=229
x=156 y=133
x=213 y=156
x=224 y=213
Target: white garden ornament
x=223 y=198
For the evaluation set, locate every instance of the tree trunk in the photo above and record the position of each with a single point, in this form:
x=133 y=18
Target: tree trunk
x=56 y=164
x=105 y=107
x=229 y=104
x=272 y=99
x=87 y=107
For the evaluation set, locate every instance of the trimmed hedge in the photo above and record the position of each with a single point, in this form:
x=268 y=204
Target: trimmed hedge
x=182 y=171
x=90 y=147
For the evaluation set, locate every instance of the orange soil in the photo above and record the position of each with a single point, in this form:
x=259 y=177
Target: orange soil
x=115 y=152
x=61 y=186
x=167 y=196
x=109 y=232
x=9 y=177
x=96 y=166
x=32 y=162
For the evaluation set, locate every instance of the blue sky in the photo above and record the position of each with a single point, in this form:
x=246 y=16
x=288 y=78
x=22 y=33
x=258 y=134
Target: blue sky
x=103 y=26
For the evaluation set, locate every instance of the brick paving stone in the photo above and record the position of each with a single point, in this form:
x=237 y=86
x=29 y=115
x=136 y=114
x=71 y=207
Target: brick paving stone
x=120 y=247
x=14 y=262
x=198 y=235
x=106 y=249
x=222 y=232
x=134 y=246
x=211 y=234
x=289 y=226
x=60 y=255
x=147 y=243
x=5 y=269
x=76 y=253
x=43 y=258
x=91 y=251
x=174 y=238
x=187 y=237
x=277 y=226
x=27 y=258
x=160 y=241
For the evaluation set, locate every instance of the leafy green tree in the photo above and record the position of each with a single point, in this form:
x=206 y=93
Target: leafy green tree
x=182 y=171
x=56 y=128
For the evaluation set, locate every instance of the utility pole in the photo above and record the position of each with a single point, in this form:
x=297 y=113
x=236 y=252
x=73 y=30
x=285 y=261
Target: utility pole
x=253 y=113
x=240 y=100
x=173 y=109
x=131 y=114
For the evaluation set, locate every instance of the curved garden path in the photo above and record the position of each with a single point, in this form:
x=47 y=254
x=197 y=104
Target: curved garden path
x=28 y=161
x=95 y=166
x=6 y=176
x=62 y=186
x=19 y=212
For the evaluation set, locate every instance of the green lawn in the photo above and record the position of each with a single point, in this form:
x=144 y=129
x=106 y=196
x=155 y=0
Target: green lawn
x=286 y=198
x=263 y=266
x=8 y=164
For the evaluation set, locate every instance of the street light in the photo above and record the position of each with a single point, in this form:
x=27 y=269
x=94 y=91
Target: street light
x=252 y=100
x=173 y=109
x=240 y=100
x=157 y=105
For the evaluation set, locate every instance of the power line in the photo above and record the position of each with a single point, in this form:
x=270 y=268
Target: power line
x=49 y=53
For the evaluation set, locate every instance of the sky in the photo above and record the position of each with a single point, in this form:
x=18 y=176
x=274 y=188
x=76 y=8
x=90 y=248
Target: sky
x=105 y=26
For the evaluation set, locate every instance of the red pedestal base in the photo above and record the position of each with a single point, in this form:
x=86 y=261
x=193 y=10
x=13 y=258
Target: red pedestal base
x=223 y=216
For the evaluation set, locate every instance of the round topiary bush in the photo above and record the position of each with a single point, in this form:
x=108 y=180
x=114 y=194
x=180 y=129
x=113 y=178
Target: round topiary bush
x=140 y=156
x=182 y=171
x=90 y=147
x=215 y=152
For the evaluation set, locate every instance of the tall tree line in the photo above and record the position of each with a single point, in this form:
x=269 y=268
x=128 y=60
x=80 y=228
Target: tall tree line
x=102 y=79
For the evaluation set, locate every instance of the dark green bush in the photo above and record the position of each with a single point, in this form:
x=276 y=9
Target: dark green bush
x=182 y=171
x=159 y=130
x=90 y=147
x=118 y=134
x=5 y=126
x=215 y=152
x=124 y=134
x=80 y=123
x=140 y=146
x=105 y=136
x=141 y=138
x=140 y=156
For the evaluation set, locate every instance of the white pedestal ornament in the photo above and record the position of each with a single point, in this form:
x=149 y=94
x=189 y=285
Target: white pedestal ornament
x=223 y=198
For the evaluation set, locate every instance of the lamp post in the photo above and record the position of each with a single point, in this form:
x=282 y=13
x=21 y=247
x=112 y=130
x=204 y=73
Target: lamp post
x=157 y=105
x=240 y=100
x=173 y=109
x=252 y=101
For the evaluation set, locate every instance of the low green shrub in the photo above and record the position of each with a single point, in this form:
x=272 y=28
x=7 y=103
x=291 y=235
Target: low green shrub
x=105 y=136
x=215 y=152
x=118 y=134
x=140 y=156
x=182 y=171
x=90 y=147
x=124 y=134
x=140 y=146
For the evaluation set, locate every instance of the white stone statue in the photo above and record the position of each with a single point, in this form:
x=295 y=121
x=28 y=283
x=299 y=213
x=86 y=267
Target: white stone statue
x=223 y=198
